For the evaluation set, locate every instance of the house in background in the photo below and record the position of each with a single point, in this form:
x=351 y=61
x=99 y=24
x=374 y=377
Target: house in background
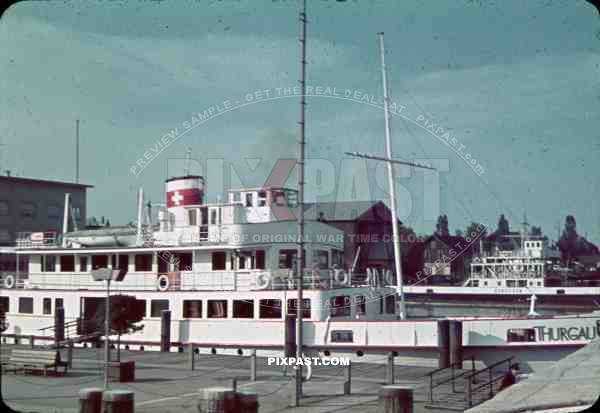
x=367 y=225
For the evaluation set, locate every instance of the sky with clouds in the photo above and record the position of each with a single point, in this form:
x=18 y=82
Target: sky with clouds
x=515 y=83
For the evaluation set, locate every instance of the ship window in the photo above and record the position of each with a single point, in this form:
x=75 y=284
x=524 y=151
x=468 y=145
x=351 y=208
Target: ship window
x=287 y=258
x=192 y=308
x=99 y=261
x=539 y=283
x=519 y=335
x=243 y=308
x=183 y=261
x=361 y=305
x=83 y=263
x=143 y=262
x=213 y=217
x=321 y=258
x=342 y=336
x=47 y=305
x=511 y=283
x=522 y=283
x=260 y=259
x=292 y=303
x=123 y=262
x=560 y=291
x=4 y=305
x=217 y=309
x=340 y=306
x=58 y=303
x=249 y=199
x=270 y=309
x=380 y=304
x=157 y=307
x=192 y=217
x=292 y=199
x=25 y=305
x=67 y=263
x=48 y=262
x=390 y=304
x=218 y=260
x=262 y=198
x=242 y=261
x=475 y=283
x=27 y=210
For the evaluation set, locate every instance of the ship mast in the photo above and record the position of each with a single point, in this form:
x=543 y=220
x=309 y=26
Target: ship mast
x=301 y=150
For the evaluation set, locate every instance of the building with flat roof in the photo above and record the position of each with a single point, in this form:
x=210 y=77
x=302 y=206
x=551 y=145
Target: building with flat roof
x=37 y=205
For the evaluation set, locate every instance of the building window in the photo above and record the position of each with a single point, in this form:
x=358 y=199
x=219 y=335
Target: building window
x=361 y=305
x=58 y=303
x=99 y=261
x=25 y=305
x=192 y=308
x=259 y=259
x=83 y=263
x=157 y=307
x=219 y=259
x=217 y=309
x=47 y=305
x=390 y=304
x=342 y=336
x=4 y=208
x=48 y=263
x=192 y=217
x=4 y=305
x=213 y=217
x=243 y=308
x=143 y=262
x=292 y=307
x=270 y=309
x=27 y=210
x=67 y=263
x=340 y=306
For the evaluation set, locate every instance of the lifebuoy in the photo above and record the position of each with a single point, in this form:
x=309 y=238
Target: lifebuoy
x=341 y=277
x=9 y=281
x=162 y=283
x=262 y=280
x=517 y=268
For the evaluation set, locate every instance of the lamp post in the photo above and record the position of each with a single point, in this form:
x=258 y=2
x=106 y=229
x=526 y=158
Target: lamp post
x=108 y=275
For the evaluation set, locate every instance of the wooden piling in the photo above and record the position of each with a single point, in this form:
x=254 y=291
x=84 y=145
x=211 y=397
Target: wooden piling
x=253 y=365
x=348 y=378
x=396 y=399
x=117 y=401
x=389 y=371
x=59 y=324
x=191 y=356
x=90 y=400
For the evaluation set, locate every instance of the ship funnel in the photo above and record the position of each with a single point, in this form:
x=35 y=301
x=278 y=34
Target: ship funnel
x=182 y=193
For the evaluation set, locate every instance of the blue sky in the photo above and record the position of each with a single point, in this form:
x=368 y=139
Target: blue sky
x=515 y=83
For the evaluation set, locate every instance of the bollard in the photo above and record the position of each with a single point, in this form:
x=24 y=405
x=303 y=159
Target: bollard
x=217 y=400
x=191 y=355
x=117 y=401
x=59 y=324
x=253 y=365
x=348 y=378
x=389 y=372
x=444 y=343
x=70 y=355
x=246 y=402
x=396 y=399
x=165 y=331
x=90 y=400
x=455 y=343
x=32 y=341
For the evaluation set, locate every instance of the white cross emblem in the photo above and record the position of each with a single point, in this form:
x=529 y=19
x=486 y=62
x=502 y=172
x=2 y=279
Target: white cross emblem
x=176 y=198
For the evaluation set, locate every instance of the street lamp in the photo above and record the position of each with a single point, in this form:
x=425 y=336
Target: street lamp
x=108 y=275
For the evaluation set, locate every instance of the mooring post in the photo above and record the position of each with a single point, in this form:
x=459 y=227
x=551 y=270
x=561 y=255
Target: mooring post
x=121 y=401
x=444 y=343
x=348 y=378
x=191 y=356
x=59 y=325
x=165 y=331
x=396 y=399
x=90 y=400
x=32 y=340
x=217 y=400
x=70 y=354
x=389 y=377
x=253 y=365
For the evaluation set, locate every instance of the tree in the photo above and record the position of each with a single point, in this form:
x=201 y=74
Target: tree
x=441 y=228
x=478 y=232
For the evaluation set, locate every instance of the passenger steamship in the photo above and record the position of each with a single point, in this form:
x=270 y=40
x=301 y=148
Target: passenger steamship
x=225 y=271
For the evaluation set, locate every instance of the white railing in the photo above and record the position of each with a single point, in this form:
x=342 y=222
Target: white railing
x=37 y=239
